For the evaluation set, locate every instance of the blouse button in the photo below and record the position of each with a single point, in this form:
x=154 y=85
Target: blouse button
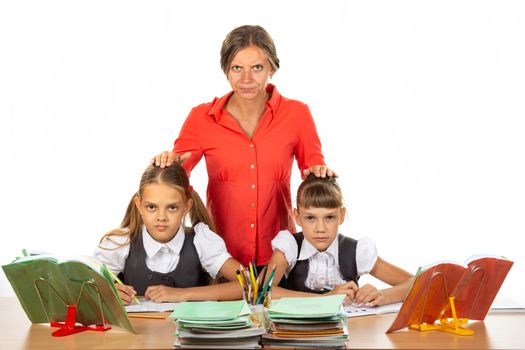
x=252 y=225
x=252 y=186
x=252 y=166
x=150 y=277
x=252 y=205
x=252 y=145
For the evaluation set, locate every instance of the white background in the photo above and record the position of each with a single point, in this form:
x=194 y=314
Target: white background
x=419 y=105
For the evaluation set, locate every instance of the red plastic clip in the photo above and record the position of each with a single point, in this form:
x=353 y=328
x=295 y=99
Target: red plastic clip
x=70 y=327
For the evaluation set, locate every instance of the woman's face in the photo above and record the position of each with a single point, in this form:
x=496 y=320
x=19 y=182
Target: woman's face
x=249 y=72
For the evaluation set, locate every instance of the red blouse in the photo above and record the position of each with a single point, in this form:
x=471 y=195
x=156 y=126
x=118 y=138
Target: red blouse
x=248 y=191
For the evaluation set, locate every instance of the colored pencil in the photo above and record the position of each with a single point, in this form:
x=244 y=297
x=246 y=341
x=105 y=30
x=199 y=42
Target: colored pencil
x=266 y=286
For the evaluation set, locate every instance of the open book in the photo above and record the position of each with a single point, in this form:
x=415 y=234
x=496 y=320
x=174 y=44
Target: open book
x=46 y=286
x=473 y=288
x=353 y=310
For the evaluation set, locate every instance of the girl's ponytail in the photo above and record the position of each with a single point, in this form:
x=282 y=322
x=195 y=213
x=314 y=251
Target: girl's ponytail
x=198 y=212
x=131 y=223
x=132 y=220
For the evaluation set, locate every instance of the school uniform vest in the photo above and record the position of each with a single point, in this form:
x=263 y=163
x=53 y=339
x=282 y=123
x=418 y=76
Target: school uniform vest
x=188 y=273
x=347 y=264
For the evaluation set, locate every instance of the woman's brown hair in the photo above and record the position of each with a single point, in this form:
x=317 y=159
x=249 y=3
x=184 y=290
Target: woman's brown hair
x=244 y=36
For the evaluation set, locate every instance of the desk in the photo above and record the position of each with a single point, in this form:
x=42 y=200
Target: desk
x=501 y=330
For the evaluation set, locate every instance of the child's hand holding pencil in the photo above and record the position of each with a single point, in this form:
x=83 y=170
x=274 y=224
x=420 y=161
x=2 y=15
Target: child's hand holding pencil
x=126 y=293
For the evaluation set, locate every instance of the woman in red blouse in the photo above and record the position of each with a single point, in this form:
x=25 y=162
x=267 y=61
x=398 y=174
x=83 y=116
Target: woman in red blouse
x=249 y=138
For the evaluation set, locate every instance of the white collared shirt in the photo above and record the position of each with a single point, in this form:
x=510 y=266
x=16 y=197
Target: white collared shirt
x=164 y=257
x=324 y=266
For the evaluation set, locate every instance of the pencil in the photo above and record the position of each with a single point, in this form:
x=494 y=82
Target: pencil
x=266 y=286
x=238 y=274
x=255 y=269
x=263 y=273
x=252 y=275
x=120 y=282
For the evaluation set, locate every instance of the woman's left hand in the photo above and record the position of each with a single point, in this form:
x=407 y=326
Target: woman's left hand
x=319 y=171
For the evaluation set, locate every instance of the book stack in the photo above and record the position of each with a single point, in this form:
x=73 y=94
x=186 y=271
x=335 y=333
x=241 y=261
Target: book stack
x=216 y=325
x=307 y=323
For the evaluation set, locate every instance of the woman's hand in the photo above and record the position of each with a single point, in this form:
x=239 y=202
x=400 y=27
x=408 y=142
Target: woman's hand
x=167 y=158
x=319 y=171
x=348 y=288
x=126 y=293
x=369 y=295
x=161 y=294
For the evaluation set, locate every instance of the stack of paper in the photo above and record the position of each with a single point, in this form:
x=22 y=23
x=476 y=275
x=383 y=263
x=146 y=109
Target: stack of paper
x=354 y=310
x=216 y=325
x=307 y=323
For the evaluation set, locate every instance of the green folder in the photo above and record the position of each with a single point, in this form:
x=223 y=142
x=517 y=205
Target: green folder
x=315 y=307
x=211 y=310
x=44 y=286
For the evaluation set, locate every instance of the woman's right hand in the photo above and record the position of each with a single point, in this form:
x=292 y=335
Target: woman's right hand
x=167 y=158
x=126 y=293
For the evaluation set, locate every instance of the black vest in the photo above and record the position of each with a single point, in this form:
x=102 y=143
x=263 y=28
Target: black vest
x=347 y=264
x=188 y=273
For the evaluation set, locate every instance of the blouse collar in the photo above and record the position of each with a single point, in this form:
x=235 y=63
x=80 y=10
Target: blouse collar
x=152 y=247
x=218 y=104
x=308 y=250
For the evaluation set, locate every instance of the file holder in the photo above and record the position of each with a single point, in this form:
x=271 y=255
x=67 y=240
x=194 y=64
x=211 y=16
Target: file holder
x=69 y=326
x=450 y=325
x=445 y=296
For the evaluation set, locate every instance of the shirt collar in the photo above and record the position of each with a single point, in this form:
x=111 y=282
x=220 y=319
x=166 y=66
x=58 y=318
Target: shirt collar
x=308 y=250
x=152 y=247
x=218 y=104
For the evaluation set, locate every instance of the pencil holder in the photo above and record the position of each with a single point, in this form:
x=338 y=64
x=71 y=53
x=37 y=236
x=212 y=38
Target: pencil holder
x=259 y=314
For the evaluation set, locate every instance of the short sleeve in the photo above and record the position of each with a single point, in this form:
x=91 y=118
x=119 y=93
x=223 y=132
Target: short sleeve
x=286 y=244
x=188 y=141
x=211 y=249
x=308 y=149
x=366 y=255
x=113 y=252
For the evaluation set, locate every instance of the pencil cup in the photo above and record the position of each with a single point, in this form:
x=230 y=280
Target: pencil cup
x=259 y=314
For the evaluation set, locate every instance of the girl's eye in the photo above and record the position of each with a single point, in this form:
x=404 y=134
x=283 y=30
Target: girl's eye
x=330 y=217
x=236 y=68
x=150 y=207
x=174 y=208
x=309 y=218
x=258 y=67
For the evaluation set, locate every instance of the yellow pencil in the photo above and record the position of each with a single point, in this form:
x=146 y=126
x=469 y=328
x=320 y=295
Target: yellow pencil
x=120 y=282
x=252 y=276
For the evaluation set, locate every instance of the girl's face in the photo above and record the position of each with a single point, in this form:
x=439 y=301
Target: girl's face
x=162 y=208
x=249 y=72
x=320 y=225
